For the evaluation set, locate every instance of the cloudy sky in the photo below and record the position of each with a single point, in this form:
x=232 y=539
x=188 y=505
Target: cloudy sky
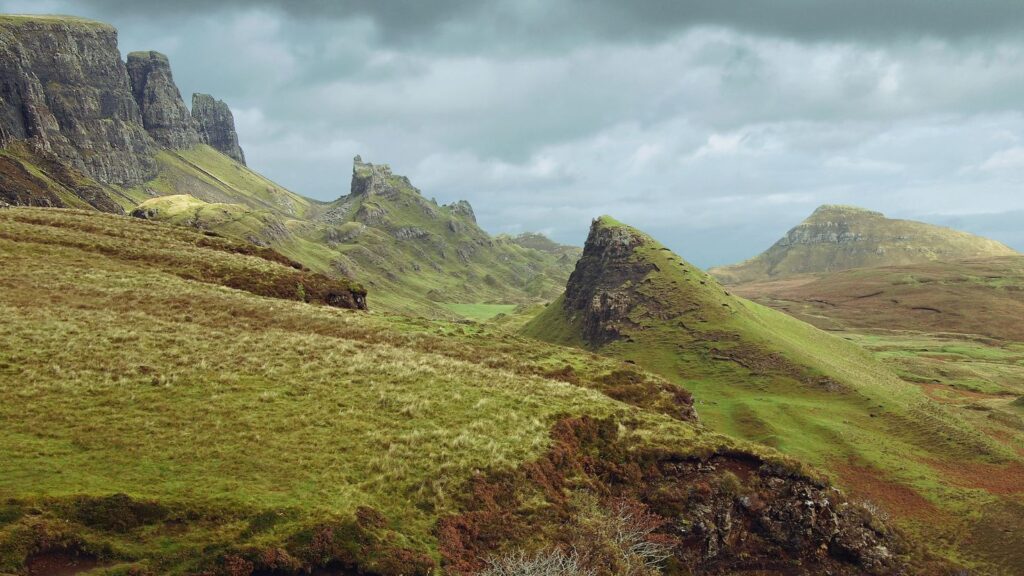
x=713 y=124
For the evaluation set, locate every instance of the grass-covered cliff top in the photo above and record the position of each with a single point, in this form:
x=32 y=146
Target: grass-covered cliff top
x=22 y=19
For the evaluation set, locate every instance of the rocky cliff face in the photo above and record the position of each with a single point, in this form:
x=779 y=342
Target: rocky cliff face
x=164 y=114
x=216 y=125
x=832 y=225
x=81 y=123
x=462 y=208
x=600 y=291
x=64 y=88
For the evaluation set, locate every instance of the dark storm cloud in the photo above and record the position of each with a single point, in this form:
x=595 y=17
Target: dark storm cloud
x=538 y=23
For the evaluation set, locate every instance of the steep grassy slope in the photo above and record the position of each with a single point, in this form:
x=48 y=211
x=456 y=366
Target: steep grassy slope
x=212 y=177
x=414 y=255
x=952 y=328
x=30 y=177
x=843 y=237
x=161 y=422
x=761 y=375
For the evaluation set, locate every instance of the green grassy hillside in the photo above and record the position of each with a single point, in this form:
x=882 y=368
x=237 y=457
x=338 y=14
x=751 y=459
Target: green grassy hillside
x=163 y=416
x=213 y=177
x=950 y=328
x=844 y=237
x=414 y=255
x=761 y=375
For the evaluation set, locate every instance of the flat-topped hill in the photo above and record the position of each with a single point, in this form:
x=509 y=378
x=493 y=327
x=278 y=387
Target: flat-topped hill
x=838 y=237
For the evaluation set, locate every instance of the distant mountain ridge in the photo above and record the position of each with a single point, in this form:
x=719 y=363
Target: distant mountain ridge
x=837 y=237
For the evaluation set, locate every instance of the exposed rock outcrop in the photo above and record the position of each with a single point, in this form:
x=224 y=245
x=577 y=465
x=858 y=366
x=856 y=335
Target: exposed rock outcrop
x=373 y=179
x=216 y=125
x=726 y=513
x=164 y=114
x=462 y=208
x=64 y=88
x=599 y=291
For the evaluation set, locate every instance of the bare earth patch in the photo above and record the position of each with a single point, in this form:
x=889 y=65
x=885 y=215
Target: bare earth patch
x=898 y=499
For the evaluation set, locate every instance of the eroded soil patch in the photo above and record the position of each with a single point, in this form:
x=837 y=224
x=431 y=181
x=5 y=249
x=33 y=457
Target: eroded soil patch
x=60 y=564
x=898 y=499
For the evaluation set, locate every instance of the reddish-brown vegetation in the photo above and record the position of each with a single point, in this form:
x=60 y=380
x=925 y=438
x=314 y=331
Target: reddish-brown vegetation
x=925 y=297
x=60 y=564
x=1001 y=479
x=871 y=484
x=720 y=513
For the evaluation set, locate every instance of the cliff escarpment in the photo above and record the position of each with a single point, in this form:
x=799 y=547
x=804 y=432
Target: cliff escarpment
x=216 y=126
x=64 y=87
x=164 y=114
x=86 y=127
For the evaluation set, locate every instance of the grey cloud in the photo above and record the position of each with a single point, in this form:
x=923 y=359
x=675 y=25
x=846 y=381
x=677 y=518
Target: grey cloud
x=537 y=23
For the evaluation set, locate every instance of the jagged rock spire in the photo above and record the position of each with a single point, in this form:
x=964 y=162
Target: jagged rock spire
x=216 y=125
x=164 y=114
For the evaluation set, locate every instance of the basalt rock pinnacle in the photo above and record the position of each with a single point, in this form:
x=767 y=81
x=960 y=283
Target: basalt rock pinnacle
x=216 y=125
x=164 y=114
